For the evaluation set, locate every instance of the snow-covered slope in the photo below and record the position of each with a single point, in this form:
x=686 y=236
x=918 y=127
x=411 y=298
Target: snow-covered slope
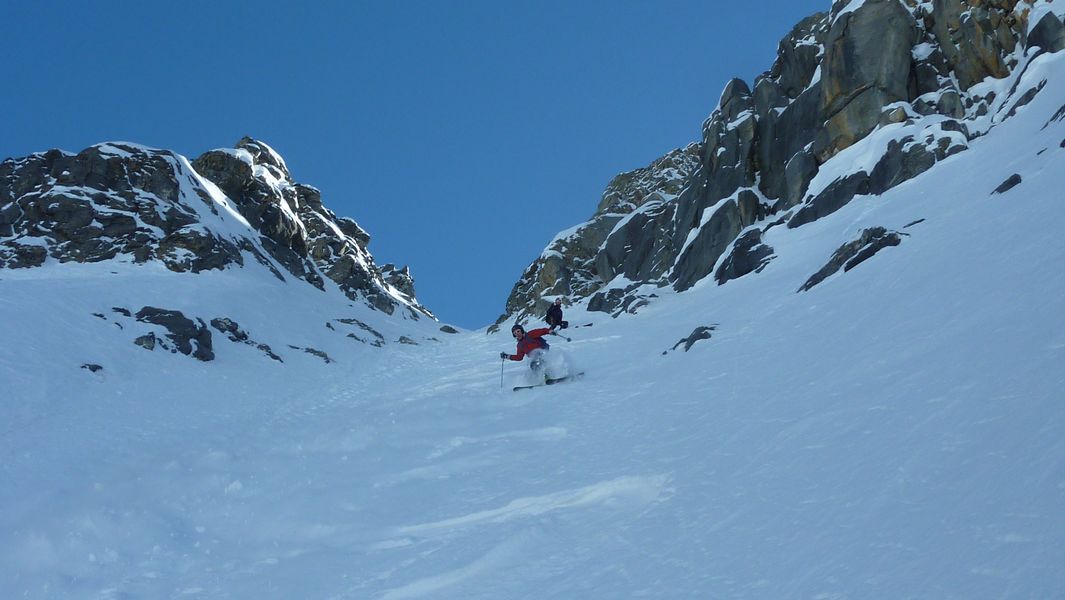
x=894 y=431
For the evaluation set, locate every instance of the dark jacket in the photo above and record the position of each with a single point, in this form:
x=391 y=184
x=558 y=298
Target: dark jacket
x=554 y=316
x=531 y=341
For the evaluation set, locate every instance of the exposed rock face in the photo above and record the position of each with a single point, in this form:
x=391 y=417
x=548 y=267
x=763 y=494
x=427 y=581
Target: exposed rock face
x=866 y=66
x=907 y=69
x=399 y=278
x=976 y=37
x=749 y=255
x=620 y=300
x=571 y=263
x=119 y=201
x=315 y=352
x=366 y=335
x=853 y=253
x=191 y=338
x=304 y=236
x=109 y=200
x=232 y=330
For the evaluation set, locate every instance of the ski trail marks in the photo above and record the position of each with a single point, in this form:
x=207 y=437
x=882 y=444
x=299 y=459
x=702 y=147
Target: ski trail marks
x=541 y=434
x=624 y=492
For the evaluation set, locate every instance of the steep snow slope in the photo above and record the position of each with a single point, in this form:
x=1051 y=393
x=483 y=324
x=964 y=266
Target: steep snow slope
x=896 y=431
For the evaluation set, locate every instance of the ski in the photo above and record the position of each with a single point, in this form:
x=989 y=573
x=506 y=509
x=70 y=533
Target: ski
x=548 y=381
x=561 y=379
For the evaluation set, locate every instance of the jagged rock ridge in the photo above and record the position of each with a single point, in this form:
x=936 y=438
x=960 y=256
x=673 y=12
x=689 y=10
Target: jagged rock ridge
x=914 y=76
x=122 y=201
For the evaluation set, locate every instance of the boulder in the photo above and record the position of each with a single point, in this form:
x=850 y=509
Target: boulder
x=1011 y=182
x=1048 y=34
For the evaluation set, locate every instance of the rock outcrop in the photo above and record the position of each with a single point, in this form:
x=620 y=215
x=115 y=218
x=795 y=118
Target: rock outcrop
x=124 y=202
x=191 y=338
x=573 y=261
x=703 y=332
x=913 y=81
x=855 y=252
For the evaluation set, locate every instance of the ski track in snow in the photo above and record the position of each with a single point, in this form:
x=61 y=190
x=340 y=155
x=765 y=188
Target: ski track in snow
x=637 y=491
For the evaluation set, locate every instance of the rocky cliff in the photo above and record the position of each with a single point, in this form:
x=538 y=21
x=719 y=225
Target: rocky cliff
x=910 y=81
x=128 y=203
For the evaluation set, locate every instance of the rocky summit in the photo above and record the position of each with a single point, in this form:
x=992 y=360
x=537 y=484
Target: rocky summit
x=128 y=203
x=918 y=80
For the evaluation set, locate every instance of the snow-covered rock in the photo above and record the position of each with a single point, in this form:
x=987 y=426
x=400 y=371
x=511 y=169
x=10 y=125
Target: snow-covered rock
x=123 y=202
x=860 y=99
x=188 y=246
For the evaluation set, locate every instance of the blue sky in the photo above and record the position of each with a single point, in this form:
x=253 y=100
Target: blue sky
x=461 y=135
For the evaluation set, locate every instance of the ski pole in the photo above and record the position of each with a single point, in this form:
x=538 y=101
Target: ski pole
x=561 y=336
x=502 y=362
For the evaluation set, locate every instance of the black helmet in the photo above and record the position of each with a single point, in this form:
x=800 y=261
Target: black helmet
x=517 y=327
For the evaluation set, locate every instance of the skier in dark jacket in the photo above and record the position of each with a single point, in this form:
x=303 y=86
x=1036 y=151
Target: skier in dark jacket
x=531 y=343
x=554 y=315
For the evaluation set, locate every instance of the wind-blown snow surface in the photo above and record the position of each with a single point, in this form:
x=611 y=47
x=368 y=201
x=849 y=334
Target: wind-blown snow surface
x=898 y=431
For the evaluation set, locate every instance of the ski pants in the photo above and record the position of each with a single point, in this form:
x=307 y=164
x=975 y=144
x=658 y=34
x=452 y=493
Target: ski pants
x=536 y=360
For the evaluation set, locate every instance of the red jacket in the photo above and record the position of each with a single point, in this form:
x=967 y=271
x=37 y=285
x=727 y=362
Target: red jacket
x=531 y=342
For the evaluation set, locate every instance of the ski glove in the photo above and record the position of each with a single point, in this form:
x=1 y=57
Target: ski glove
x=504 y=355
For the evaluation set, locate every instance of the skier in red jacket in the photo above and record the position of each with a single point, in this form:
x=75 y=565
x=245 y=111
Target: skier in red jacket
x=531 y=343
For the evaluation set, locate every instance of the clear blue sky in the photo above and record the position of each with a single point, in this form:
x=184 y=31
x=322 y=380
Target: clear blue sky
x=461 y=135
